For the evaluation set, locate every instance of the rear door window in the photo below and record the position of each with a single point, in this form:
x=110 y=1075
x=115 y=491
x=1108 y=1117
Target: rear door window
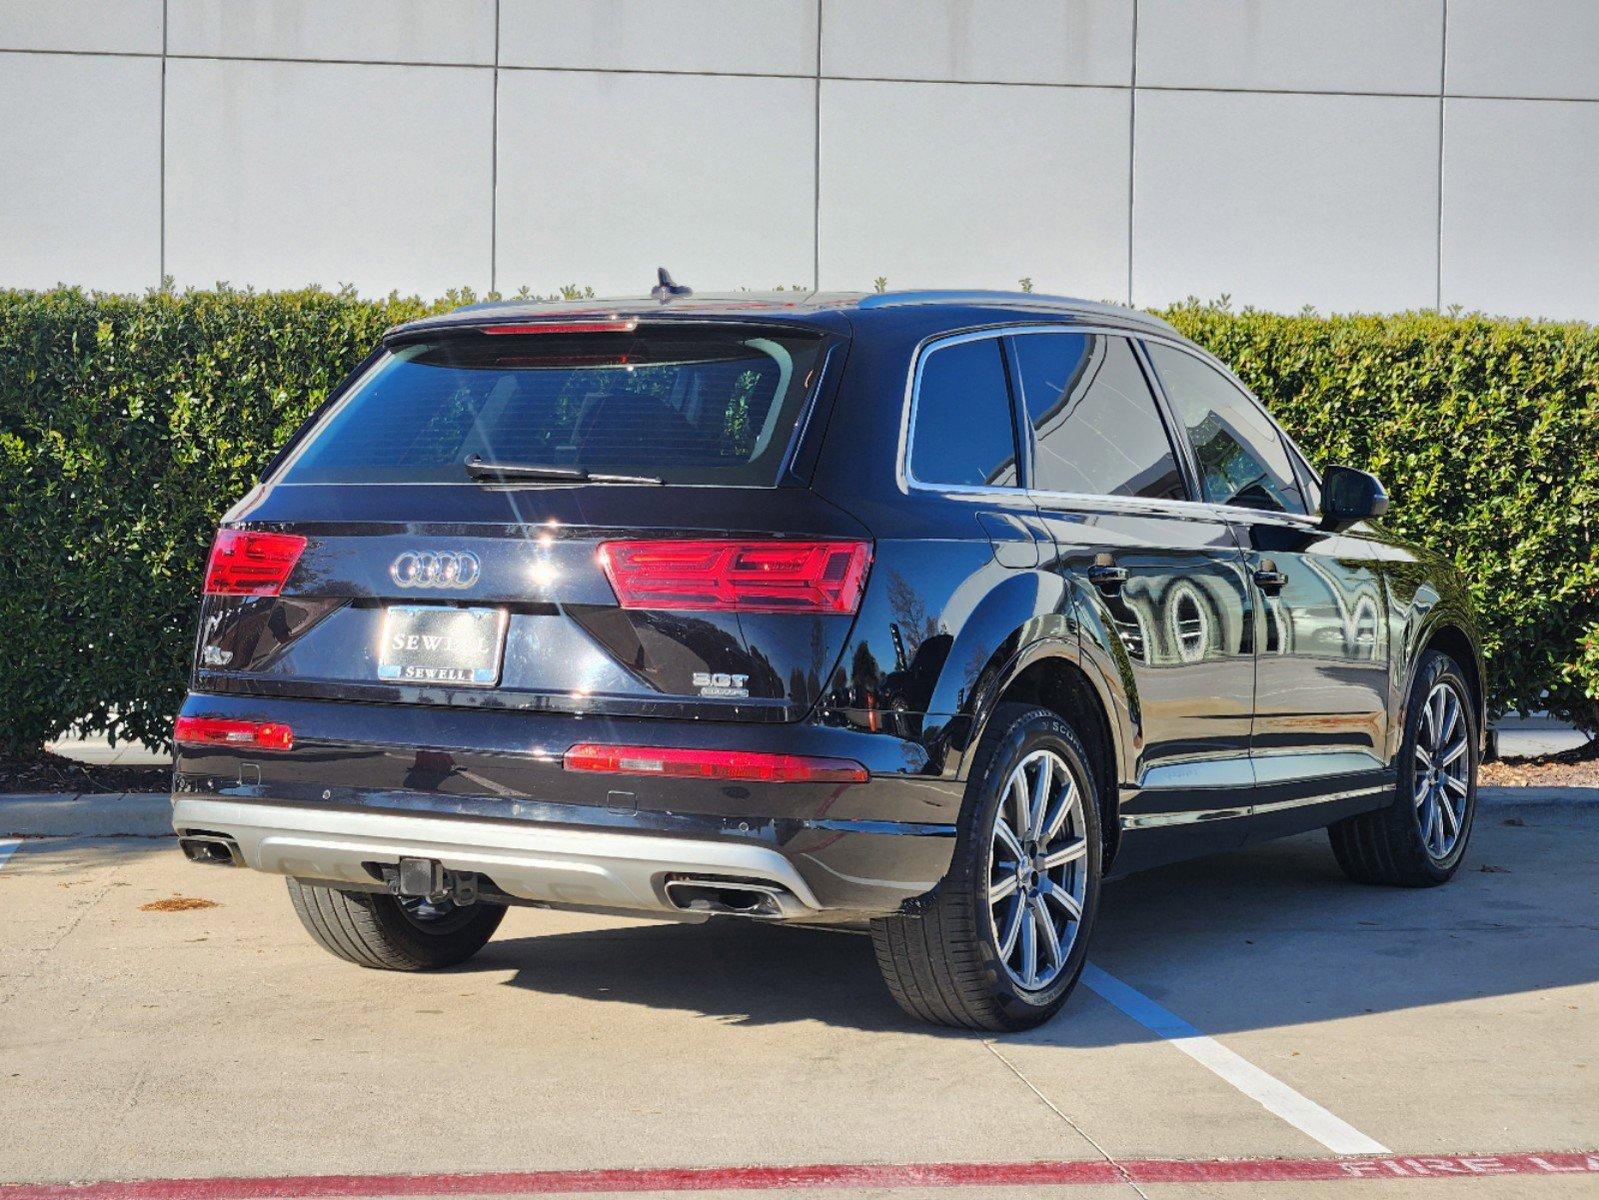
x=684 y=406
x=963 y=435
x=1096 y=429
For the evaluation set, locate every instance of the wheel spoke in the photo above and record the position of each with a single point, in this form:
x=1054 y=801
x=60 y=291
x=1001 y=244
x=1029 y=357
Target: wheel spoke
x=1454 y=752
x=1029 y=944
x=1006 y=838
x=1453 y=784
x=1041 y=790
x=1046 y=927
x=998 y=891
x=1436 y=713
x=1422 y=755
x=1429 y=818
x=1063 y=809
x=1013 y=926
x=1070 y=852
x=1451 y=717
x=1064 y=898
x=1447 y=812
x=1018 y=797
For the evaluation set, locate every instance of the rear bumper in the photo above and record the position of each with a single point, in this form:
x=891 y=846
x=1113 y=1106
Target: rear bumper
x=546 y=864
x=578 y=859
x=486 y=792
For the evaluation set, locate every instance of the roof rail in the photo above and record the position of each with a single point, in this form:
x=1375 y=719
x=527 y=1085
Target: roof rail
x=1017 y=299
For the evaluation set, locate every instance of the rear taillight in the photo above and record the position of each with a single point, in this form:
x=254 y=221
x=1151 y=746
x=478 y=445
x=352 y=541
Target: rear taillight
x=741 y=765
x=246 y=563
x=242 y=735
x=738 y=576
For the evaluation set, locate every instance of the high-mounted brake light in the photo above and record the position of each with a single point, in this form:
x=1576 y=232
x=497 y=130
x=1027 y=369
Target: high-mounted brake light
x=247 y=563
x=738 y=576
x=610 y=325
x=243 y=735
x=730 y=765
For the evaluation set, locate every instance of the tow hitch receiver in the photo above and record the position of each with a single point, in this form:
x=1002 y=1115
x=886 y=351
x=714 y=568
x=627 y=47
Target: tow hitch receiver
x=427 y=878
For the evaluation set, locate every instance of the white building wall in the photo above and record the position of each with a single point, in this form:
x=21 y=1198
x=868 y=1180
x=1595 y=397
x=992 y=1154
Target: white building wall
x=1346 y=154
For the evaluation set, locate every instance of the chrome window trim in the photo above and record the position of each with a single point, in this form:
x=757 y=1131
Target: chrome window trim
x=1191 y=510
x=913 y=387
x=913 y=381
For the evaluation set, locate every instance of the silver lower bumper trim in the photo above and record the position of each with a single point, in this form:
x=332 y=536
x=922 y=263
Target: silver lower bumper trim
x=575 y=868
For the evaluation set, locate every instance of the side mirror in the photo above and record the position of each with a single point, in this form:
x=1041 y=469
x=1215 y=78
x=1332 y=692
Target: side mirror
x=1348 y=497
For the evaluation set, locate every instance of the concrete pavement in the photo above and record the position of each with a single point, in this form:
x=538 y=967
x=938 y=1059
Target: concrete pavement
x=221 y=1042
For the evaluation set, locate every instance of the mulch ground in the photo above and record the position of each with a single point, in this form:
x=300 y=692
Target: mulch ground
x=1569 y=768
x=46 y=772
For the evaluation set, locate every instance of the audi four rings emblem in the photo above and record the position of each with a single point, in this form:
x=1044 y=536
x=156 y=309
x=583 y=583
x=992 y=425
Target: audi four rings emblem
x=426 y=569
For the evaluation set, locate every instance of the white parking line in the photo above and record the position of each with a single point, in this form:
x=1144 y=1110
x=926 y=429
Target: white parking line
x=6 y=847
x=1275 y=1096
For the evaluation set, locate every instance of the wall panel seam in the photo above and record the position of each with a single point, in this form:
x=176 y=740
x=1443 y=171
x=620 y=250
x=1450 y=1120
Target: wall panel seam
x=816 y=161
x=1443 y=90
x=161 y=164
x=1132 y=151
x=494 y=161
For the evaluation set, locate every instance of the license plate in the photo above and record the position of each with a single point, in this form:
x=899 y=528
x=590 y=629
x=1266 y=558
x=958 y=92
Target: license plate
x=451 y=647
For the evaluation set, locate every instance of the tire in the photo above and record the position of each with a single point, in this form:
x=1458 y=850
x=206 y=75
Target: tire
x=1406 y=844
x=947 y=962
x=373 y=929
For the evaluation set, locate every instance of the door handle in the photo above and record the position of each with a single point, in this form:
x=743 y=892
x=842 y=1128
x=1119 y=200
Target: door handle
x=1268 y=578
x=1106 y=575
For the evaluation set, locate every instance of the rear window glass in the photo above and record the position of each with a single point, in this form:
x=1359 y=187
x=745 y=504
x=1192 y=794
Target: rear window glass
x=707 y=406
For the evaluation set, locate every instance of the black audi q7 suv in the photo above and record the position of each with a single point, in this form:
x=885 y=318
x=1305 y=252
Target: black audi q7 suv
x=925 y=612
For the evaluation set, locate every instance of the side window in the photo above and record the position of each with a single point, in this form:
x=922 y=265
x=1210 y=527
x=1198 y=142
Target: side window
x=1241 y=457
x=1095 y=423
x=963 y=433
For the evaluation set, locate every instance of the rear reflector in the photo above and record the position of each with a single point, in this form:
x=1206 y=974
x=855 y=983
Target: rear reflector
x=616 y=325
x=246 y=563
x=243 y=735
x=742 y=765
x=738 y=576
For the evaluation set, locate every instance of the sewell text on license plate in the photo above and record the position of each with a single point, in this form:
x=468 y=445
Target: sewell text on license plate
x=432 y=644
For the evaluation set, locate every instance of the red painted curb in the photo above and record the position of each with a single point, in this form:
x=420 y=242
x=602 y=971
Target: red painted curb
x=825 y=1175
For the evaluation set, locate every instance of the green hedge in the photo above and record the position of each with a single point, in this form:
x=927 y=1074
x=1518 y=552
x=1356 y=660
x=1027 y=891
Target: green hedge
x=128 y=425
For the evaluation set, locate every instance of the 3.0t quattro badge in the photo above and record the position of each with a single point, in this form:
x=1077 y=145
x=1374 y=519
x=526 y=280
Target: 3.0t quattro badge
x=426 y=569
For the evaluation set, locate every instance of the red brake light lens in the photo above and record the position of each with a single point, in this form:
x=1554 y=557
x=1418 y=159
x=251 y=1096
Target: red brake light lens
x=243 y=735
x=245 y=563
x=608 y=325
x=738 y=576
x=720 y=765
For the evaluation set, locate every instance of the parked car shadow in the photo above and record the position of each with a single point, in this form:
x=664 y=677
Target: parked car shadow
x=1260 y=938
x=734 y=970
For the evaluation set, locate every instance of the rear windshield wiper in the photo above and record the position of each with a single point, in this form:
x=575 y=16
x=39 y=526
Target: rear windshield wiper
x=480 y=468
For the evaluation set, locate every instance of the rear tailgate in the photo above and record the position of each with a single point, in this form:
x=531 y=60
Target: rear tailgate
x=417 y=583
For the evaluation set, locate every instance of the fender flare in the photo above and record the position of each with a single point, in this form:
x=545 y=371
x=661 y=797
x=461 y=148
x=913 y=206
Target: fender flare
x=1420 y=635
x=1063 y=649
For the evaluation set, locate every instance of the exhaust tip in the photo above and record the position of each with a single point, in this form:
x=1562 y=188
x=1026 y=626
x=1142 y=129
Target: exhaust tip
x=210 y=849
x=733 y=897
